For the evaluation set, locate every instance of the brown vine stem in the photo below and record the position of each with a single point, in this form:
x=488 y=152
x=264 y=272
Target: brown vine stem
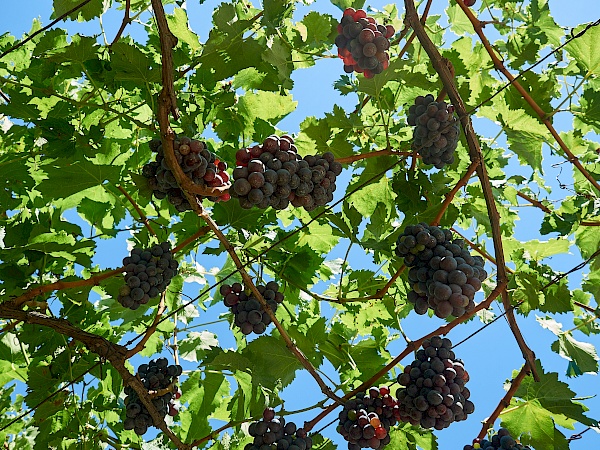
x=505 y=401
x=589 y=224
x=411 y=347
x=198 y=234
x=126 y=21
x=586 y=307
x=477 y=158
x=150 y=330
x=94 y=280
x=499 y=65
x=361 y=156
x=143 y=217
x=450 y=195
x=41 y=30
x=534 y=202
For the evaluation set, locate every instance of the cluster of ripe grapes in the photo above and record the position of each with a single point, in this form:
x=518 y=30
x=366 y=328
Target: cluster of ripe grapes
x=273 y=174
x=271 y=433
x=155 y=375
x=363 y=43
x=436 y=131
x=249 y=313
x=366 y=419
x=502 y=440
x=197 y=162
x=148 y=273
x=443 y=274
x=434 y=393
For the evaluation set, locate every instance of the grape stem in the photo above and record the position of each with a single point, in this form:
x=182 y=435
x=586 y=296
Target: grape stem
x=126 y=21
x=499 y=65
x=505 y=401
x=477 y=159
x=150 y=330
x=143 y=217
x=450 y=195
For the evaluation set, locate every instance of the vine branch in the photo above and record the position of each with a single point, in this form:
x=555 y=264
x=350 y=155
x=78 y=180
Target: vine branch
x=505 y=401
x=499 y=65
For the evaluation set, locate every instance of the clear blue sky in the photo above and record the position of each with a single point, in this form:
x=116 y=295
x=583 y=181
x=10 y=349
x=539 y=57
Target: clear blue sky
x=313 y=90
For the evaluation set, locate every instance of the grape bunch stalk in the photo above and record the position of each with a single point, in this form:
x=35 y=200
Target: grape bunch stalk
x=434 y=393
x=363 y=43
x=200 y=165
x=436 y=131
x=157 y=375
x=502 y=440
x=273 y=174
x=271 y=433
x=443 y=274
x=249 y=314
x=148 y=272
x=366 y=419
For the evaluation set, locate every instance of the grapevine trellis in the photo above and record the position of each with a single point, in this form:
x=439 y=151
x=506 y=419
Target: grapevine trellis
x=30 y=307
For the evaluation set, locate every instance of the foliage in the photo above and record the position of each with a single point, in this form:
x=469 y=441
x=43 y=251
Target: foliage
x=78 y=112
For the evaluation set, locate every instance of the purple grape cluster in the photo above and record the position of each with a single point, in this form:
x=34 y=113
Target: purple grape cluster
x=148 y=272
x=249 y=313
x=198 y=164
x=275 y=434
x=502 y=440
x=273 y=174
x=156 y=375
x=443 y=274
x=366 y=419
x=436 y=131
x=434 y=393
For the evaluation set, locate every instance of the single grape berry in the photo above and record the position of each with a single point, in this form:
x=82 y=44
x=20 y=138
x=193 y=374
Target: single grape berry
x=469 y=3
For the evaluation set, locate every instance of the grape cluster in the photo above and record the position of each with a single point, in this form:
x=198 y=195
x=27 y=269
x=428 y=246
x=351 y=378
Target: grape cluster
x=249 y=313
x=502 y=440
x=443 y=274
x=436 y=130
x=273 y=174
x=363 y=43
x=148 y=273
x=156 y=375
x=434 y=393
x=271 y=433
x=366 y=419
x=198 y=164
